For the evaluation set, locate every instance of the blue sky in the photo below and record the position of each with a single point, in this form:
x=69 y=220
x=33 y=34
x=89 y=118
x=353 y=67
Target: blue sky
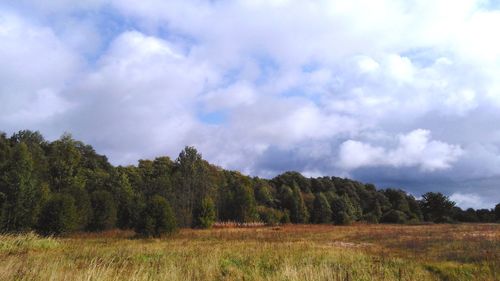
x=398 y=93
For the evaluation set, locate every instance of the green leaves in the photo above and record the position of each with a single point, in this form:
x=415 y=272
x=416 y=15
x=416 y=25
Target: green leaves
x=157 y=218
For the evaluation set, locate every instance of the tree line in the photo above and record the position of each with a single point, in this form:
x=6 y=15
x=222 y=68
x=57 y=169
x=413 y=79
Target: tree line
x=64 y=186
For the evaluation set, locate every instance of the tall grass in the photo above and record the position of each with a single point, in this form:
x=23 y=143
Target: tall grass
x=303 y=252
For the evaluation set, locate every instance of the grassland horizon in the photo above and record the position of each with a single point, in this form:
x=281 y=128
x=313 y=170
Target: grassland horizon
x=287 y=252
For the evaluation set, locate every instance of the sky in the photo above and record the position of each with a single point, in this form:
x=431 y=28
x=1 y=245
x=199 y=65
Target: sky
x=400 y=93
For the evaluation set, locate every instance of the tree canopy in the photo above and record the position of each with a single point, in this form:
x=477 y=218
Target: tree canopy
x=65 y=185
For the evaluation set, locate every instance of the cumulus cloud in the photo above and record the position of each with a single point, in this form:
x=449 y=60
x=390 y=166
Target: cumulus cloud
x=35 y=68
x=466 y=200
x=140 y=98
x=322 y=87
x=413 y=149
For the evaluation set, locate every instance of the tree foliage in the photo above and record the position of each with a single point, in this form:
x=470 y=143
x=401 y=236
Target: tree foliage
x=322 y=212
x=58 y=215
x=65 y=185
x=436 y=207
x=205 y=214
x=157 y=218
x=104 y=211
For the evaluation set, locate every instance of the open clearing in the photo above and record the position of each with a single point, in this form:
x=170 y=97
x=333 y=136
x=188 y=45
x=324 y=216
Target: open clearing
x=291 y=252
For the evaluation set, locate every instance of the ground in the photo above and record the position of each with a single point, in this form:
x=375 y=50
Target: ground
x=291 y=252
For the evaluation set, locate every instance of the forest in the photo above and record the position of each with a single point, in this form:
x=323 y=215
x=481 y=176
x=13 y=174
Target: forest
x=64 y=186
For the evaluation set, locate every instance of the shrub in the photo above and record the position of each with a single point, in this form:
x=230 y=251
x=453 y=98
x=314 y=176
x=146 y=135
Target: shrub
x=394 y=216
x=58 y=215
x=104 y=211
x=370 y=218
x=204 y=215
x=270 y=216
x=322 y=213
x=286 y=217
x=342 y=218
x=157 y=218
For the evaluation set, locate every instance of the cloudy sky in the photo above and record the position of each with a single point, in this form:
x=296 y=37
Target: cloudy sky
x=400 y=93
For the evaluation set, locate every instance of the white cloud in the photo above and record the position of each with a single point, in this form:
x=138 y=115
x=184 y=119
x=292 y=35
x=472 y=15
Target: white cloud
x=296 y=77
x=140 y=98
x=36 y=66
x=239 y=94
x=467 y=200
x=413 y=149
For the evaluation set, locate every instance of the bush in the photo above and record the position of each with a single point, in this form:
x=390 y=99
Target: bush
x=104 y=211
x=370 y=218
x=204 y=215
x=270 y=216
x=156 y=218
x=342 y=218
x=58 y=215
x=322 y=213
x=286 y=217
x=342 y=210
x=394 y=216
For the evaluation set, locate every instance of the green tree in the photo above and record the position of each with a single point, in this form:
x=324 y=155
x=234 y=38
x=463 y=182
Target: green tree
x=292 y=201
x=322 y=212
x=192 y=184
x=205 y=215
x=58 y=215
x=394 y=216
x=468 y=215
x=64 y=159
x=269 y=215
x=36 y=145
x=126 y=205
x=82 y=202
x=73 y=169
x=104 y=211
x=157 y=218
x=398 y=200
x=263 y=194
x=497 y=212
x=342 y=209
x=244 y=205
x=22 y=195
x=436 y=207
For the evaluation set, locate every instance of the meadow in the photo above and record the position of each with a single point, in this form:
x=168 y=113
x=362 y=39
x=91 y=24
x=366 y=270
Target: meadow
x=289 y=252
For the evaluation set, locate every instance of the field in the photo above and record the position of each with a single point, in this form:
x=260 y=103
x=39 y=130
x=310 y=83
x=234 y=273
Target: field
x=292 y=252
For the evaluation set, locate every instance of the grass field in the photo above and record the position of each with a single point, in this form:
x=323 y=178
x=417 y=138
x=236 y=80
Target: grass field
x=294 y=252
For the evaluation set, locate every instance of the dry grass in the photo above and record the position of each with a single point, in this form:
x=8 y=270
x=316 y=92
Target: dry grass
x=299 y=252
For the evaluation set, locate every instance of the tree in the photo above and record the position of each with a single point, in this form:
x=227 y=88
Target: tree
x=22 y=194
x=58 y=215
x=36 y=146
x=291 y=179
x=192 y=183
x=82 y=202
x=342 y=209
x=398 y=200
x=394 y=216
x=73 y=170
x=292 y=201
x=205 y=216
x=263 y=194
x=64 y=159
x=270 y=216
x=497 y=212
x=322 y=212
x=244 y=204
x=485 y=215
x=104 y=211
x=436 y=207
x=468 y=215
x=126 y=207
x=157 y=218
